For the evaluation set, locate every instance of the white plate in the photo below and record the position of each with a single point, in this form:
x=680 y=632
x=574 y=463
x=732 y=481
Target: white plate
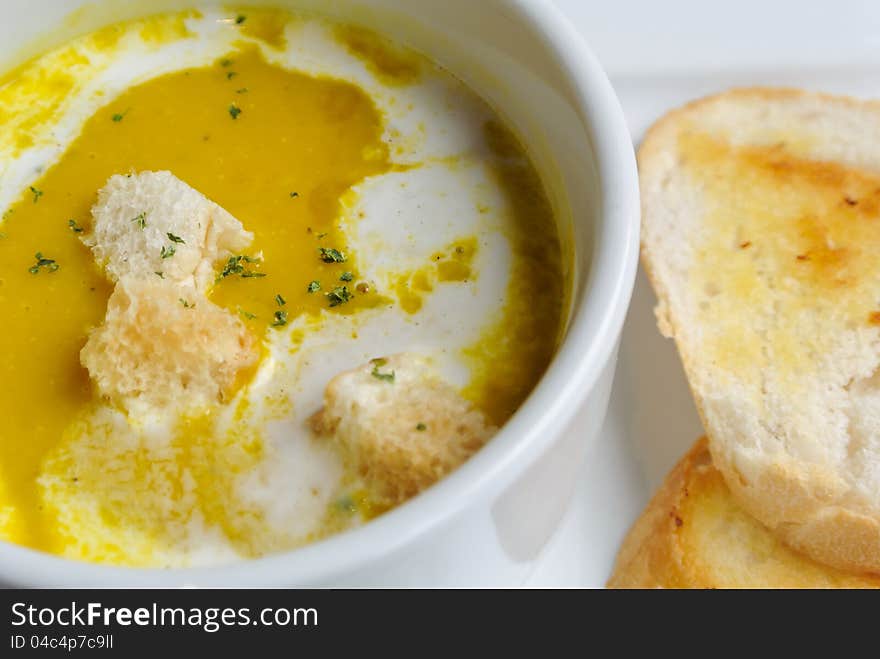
x=659 y=56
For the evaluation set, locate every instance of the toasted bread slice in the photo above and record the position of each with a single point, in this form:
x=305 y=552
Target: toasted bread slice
x=399 y=426
x=761 y=229
x=153 y=224
x=694 y=534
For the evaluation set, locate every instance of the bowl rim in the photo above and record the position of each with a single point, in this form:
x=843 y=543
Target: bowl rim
x=590 y=343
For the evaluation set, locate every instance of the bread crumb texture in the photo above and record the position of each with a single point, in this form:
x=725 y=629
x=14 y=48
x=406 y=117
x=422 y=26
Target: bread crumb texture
x=761 y=229
x=163 y=343
x=399 y=426
x=694 y=534
x=153 y=222
x=154 y=349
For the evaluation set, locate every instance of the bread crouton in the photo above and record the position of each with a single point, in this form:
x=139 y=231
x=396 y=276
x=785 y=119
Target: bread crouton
x=399 y=426
x=694 y=534
x=158 y=346
x=153 y=222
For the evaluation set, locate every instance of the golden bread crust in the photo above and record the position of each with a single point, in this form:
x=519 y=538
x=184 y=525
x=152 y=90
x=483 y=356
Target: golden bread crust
x=694 y=534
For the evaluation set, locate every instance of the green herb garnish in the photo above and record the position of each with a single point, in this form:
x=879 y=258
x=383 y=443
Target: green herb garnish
x=175 y=239
x=247 y=314
x=230 y=75
x=74 y=226
x=235 y=266
x=294 y=194
x=119 y=116
x=385 y=377
x=140 y=220
x=37 y=193
x=314 y=286
x=345 y=504
x=346 y=276
x=43 y=262
x=186 y=305
x=280 y=319
x=241 y=18
x=225 y=62
x=167 y=252
x=243 y=90
x=234 y=111
x=330 y=255
x=280 y=301
x=339 y=295
x=160 y=275
x=421 y=427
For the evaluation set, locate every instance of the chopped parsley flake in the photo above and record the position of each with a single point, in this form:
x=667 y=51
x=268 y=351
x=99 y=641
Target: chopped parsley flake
x=43 y=262
x=241 y=18
x=119 y=116
x=175 y=239
x=339 y=295
x=345 y=504
x=280 y=301
x=330 y=255
x=225 y=62
x=280 y=319
x=37 y=193
x=314 y=286
x=160 y=275
x=385 y=377
x=247 y=314
x=243 y=90
x=234 y=111
x=167 y=252
x=346 y=276
x=74 y=226
x=294 y=194
x=230 y=75
x=186 y=305
x=235 y=266
x=140 y=220
x=421 y=427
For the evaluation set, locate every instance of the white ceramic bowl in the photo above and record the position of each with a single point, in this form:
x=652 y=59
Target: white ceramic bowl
x=487 y=522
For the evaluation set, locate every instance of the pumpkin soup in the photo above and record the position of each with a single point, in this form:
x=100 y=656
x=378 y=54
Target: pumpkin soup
x=391 y=229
